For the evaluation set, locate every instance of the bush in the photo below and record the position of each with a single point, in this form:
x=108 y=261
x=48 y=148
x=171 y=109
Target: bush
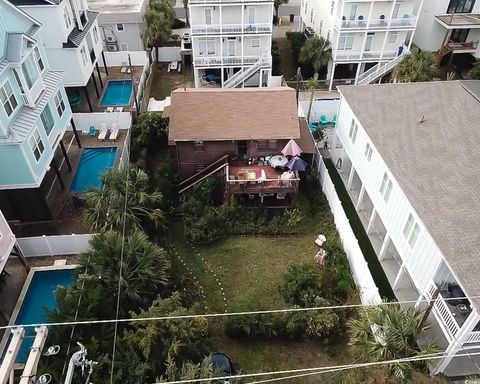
x=149 y=131
x=474 y=73
x=297 y=40
x=276 y=59
x=249 y=327
x=275 y=20
x=301 y=283
x=177 y=24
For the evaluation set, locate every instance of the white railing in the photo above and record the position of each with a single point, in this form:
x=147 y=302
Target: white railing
x=359 y=55
x=213 y=61
x=380 y=69
x=212 y=29
x=54 y=245
x=264 y=61
x=228 y=1
x=444 y=315
x=404 y=22
x=473 y=337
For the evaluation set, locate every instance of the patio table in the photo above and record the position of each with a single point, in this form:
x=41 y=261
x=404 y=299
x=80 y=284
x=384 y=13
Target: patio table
x=278 y=161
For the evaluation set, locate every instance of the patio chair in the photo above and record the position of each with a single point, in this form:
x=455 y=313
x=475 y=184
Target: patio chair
x=312 y=127
x=75 y=101
x=334 y=120
x=114 y=132
x=91 y=131
x=103 y=132
x=323 y=120
x=119 y=109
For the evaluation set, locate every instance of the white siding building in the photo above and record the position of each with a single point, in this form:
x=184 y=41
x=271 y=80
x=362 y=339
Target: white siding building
x=121 y=23
x=231 y=42
x=70 y=37
x=367 y=37
x=409 y=162
x=451 y=26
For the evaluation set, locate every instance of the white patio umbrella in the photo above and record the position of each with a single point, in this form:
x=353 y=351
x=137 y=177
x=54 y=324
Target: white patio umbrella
x=291 y=149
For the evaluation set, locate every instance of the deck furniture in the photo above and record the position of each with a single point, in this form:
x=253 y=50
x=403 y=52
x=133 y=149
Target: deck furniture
x=91 y=131
x=119 y=109
x=334 y=120
x=114 y=132
x=109 y=110
x=278 y=161
x=174 y=65
x=323 y=120
x=75 y=101
x=103 y=132
x=312 y=127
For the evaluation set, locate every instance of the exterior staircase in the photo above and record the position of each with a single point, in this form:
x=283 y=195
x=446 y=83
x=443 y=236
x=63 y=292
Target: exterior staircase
x=211 y=169
x=380 y=69
x=242 y=75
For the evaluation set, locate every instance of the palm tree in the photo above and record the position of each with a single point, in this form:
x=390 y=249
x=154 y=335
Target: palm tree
x=144 y=267
x=157 y=23
x=316 y=52
x=474 y=73
x=311 y=84
x=392 y=336
x=124 y=198
x=276 y=5
x=416 y=66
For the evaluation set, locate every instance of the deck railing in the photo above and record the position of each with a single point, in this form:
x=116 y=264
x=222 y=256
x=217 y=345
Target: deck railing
x=262 y=186
x=466 y=46
x=448 y=321
x=347 y=55
x=398 y=23
x=212 y=29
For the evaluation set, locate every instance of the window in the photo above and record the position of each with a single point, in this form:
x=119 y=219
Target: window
x=386 y=187
x=199 y=146
x=332 y=6
x=311 y=15
x=120 y=27
x=353 y=131
x=255 y=43
x=265 y=145
x=208 y=16
x=30 y=70
x=83 y=53
x=95 y=34
x=206 y=47
x=38 y=59
x=460 y=6
x=47 y=119
x=306 y=6
x=67 y=17
x=8 y=99
x=59 y=104
x=36 y=145
x=368 y=152
x=345 y=42
x=392 y=37
x=411 y=231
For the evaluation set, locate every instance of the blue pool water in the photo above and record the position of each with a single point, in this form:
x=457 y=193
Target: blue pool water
x=40 y=294
x=93 y=163
x=118 y=92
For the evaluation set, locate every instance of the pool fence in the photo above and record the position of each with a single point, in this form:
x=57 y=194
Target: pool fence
x=120 y=58
x=55 y=245
x=83 y=121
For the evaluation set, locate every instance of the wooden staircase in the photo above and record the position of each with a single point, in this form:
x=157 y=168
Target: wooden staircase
x=442 y=52
x=211 y=169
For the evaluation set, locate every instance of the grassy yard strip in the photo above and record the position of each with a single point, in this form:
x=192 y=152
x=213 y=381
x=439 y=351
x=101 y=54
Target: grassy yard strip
x=376 y=269
x=287 y=64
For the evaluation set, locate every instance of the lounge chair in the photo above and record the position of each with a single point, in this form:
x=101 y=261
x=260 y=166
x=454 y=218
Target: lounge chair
x=109 y=109
x=91 y=131
x=75 y=101
x=334 y=120
x=119 y=109
x=312 y=127
x=103 y=132
x=323 y=121
x=114 y=132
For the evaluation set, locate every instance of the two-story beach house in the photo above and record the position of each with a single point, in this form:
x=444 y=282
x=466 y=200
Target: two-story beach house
x=409 y=162
x=226 y=132
x=449 y=27
x=368 y=38
x=120 y=23
x=71 y=39
x=34 y=113
x=231 y=42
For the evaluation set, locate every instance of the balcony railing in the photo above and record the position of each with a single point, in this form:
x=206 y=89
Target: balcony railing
x=228 y=1
x=365 y=55
x=466 y=46
x=215 y=61
x=399 y=23
x=213 y=29
x=263 y=186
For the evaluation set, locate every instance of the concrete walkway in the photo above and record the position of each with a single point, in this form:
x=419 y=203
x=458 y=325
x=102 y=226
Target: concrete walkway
x=280 y=31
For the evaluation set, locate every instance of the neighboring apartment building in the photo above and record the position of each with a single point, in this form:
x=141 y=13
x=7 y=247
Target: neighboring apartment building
x=409 y=161
x=231 y=42
x=450 y=27
x=228 y=131
x=71 y=39
x=121 y=23
x=367 y=37
x=34 y=113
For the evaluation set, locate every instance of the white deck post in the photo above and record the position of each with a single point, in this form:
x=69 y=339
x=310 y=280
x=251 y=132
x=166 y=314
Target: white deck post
x=371 y=220
x=350 y=177
x=383 y=249
x=11 y=354
x=360 y=198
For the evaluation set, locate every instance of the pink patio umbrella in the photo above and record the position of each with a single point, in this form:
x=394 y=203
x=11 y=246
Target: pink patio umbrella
x=291 y=149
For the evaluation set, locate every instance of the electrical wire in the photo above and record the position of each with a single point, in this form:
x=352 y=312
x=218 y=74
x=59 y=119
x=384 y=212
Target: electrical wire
x=228 y=314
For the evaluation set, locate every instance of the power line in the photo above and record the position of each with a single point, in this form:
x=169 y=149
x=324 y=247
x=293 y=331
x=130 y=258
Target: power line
x=227 y=314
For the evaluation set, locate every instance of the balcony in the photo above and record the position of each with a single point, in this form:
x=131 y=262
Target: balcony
x=406 y=22
x=466 y=47
x=216 y=61
x=228 y=1
x=216 y=29
x=459 y=20
x=350 y=56
x=93 y=57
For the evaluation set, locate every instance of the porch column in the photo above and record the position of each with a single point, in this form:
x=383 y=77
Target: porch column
x=399 y=276
x=65 y=156
x=350 y=177
x=95 y=85
x=330 y=87
x=87 y=96
x=98 y=73
x=370 y=222
x=360 y=198
x=383 y=249
x=75 y=133
x=104 y=63
x=57 y=172
x=357 y=74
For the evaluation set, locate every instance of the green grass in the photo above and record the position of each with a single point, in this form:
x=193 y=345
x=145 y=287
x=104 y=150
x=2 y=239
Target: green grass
x=165 y=82
x=287 y=65
x=376 y=269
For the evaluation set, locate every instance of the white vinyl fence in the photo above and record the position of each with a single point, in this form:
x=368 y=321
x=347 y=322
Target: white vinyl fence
x=54 y=245
x=120 y=58
x=359 y=267
x=167 y=54
x=83 y=121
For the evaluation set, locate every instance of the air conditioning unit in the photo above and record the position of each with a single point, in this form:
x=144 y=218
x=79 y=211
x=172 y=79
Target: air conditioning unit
x=111 y=38
x=112 y=47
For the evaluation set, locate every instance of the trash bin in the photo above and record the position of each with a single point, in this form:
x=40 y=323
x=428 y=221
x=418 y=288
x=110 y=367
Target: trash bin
x=292 y=17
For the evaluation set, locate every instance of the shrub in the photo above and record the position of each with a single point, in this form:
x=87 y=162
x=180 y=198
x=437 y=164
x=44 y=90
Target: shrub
x=297 y=40
x=275 y=20
x=149 y=131
x=474 y=73
x=259 y=326
x=301 y=282
x=276 y=59
x=177 y=23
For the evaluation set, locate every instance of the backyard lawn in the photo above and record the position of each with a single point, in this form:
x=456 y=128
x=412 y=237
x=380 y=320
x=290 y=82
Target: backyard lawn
x=287 y=64
x=165 y=82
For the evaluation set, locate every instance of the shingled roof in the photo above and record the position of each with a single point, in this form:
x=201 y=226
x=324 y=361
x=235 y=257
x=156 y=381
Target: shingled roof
x=233 y=114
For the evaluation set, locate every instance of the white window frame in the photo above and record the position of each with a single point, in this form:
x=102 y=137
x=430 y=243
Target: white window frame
x=392 y=37
x=255 y=42
x=208 y=22
x=39 y=60
x=10 y=98
x=411 y=231
x=121 y=29
x=124 y=47
x=59 y=103
x=345 y=42
x=332 y=7
x=35 y=142
x=368 y=151
x=386 y=187
x=48 y=129
x=67 y=17
x=83 y=54
x=353 y=131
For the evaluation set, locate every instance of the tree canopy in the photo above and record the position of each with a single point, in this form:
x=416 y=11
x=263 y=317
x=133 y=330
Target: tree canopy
x=316 y=52
x=416 y=66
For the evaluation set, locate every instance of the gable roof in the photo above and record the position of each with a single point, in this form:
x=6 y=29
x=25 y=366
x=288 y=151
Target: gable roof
x=75 y=38
x=435 y=162
x=233 y=114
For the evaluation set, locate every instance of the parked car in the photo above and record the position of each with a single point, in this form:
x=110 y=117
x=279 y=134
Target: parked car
x=221 y=364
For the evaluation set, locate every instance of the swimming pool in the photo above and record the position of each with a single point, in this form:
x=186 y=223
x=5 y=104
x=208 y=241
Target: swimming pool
x=117 y=93
x=93 y=163
x=37 y=294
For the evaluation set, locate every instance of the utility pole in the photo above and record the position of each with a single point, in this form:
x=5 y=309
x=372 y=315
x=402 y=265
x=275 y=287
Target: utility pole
x=133 y=84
